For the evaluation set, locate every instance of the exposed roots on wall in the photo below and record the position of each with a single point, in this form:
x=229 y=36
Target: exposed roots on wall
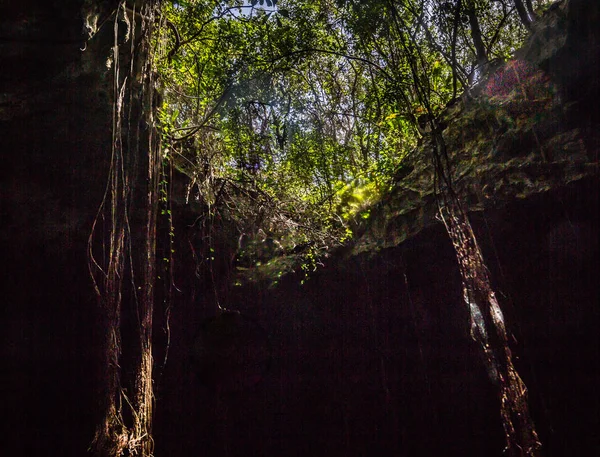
x=487 y=321
x=121 y=247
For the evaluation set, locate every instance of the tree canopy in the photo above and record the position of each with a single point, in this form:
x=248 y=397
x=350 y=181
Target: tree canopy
x=292 y=117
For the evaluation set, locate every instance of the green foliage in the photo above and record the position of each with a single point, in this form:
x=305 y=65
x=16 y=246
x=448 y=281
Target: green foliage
x=290 y=117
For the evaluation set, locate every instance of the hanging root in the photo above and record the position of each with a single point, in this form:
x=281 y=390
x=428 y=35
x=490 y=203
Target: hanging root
x=489 y=331
x=128 y=246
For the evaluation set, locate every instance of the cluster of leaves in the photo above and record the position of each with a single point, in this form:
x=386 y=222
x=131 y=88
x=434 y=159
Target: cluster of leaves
x=291 y=117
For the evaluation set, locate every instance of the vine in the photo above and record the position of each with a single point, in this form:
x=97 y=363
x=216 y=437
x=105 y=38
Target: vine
x=122 y=256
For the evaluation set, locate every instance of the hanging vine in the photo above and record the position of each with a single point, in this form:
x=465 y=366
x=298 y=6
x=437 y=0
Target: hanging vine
x=121 y=246
x=488 y=328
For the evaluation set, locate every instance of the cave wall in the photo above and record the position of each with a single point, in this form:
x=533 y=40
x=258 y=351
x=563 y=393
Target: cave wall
x=372 y=355
x=55 y=123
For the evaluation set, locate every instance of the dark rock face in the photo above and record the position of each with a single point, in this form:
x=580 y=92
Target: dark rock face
x=230 y=352
x=55 y=120
x=373 y=355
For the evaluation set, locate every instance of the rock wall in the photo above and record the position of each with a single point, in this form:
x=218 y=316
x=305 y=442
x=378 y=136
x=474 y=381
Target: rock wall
x=55 y=123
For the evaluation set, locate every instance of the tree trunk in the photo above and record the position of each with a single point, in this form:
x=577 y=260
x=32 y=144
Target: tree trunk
x=481 y=56
x=524 y=15
x=531 y=11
